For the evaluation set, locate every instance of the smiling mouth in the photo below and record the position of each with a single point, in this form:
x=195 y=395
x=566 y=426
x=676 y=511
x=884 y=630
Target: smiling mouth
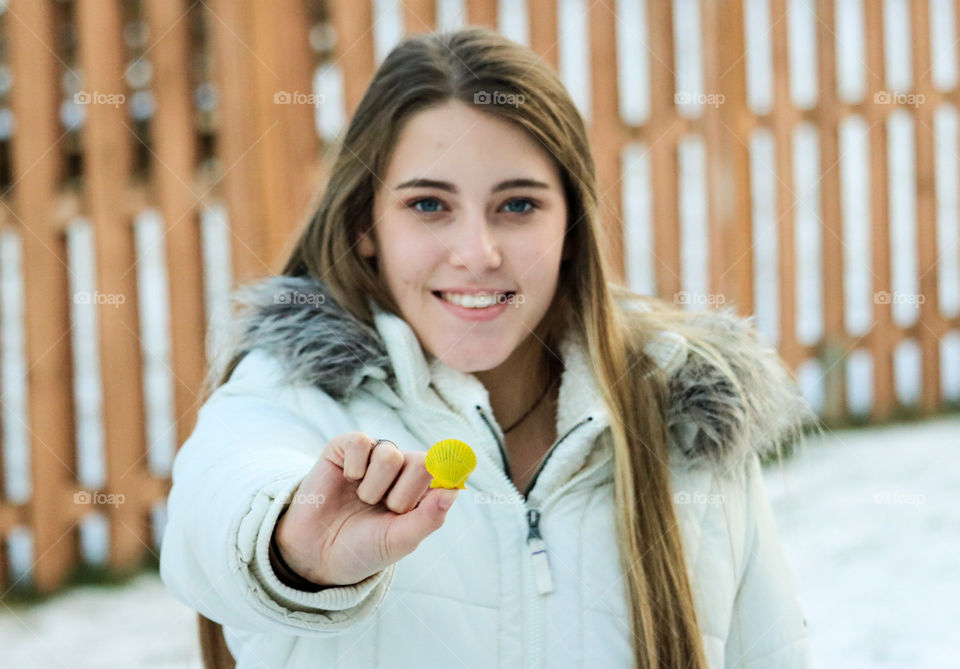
x=475 y=301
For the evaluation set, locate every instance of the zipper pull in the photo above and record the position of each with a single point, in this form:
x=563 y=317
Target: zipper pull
x=538 y=553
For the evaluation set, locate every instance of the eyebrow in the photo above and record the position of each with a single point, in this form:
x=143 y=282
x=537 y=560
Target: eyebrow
x=450 y=188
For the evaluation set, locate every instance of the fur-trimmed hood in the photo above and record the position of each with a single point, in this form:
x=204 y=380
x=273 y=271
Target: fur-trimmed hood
x=321 y=344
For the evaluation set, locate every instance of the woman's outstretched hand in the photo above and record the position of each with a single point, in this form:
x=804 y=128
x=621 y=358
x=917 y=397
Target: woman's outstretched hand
x=359 y=509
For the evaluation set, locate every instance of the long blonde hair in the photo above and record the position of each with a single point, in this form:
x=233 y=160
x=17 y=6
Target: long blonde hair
x=428 y=70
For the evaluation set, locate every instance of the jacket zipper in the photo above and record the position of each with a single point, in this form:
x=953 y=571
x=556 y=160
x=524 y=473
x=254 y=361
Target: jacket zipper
x=535 y=544
x=537 y=547
x=538 y=553
x=534 y=514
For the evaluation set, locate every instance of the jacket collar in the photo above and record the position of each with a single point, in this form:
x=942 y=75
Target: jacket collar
x=425 y=381
x=421 y=374
x=321 y=344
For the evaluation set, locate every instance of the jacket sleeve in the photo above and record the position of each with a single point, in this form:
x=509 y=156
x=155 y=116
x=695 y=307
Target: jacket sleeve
x=250 y=449
x=767 y=630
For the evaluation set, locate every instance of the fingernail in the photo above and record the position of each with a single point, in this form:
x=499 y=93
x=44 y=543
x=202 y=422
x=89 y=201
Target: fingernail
x=446 y=499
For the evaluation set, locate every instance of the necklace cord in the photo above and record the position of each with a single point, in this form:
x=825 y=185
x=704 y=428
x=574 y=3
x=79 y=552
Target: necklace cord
x=535 y=405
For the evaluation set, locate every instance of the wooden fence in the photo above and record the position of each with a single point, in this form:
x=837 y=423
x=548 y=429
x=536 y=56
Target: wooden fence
x=167 y=106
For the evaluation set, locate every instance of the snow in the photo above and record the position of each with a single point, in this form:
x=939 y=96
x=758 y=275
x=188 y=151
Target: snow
x=138 y=624
x=870 y=526
x=867 y=517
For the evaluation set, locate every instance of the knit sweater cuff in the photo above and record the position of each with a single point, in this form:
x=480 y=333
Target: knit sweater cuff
x=360 y=596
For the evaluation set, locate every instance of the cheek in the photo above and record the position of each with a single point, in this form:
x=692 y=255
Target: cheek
x=407 y=255
x=538 y=261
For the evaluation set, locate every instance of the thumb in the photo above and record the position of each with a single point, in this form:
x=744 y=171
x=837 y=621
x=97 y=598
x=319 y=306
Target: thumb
x=410 y=528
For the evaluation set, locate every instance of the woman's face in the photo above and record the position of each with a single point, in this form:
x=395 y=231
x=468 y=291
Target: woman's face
x=471 y=210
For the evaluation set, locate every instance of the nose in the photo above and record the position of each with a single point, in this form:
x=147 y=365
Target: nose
x=473 y=244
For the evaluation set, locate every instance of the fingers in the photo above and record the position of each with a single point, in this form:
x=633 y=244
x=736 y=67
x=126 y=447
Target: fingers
x=350 y=452
x=412 y=484
x=356 y=455
x=386 y=461
x=382 y=470
x=409 y=529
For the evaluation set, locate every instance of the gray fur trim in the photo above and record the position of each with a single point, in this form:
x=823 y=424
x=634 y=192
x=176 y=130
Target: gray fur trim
x=728 y=428
x=296 y=320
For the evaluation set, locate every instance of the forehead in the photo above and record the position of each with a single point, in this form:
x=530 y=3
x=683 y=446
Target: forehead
x=456 y=142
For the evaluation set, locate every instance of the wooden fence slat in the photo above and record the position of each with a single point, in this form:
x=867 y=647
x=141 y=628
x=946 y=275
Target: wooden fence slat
x=237 y=133
x=728 y=154
x=11 y=515
x=173 y=174
x=544 y=22
x=606 y=131
x=926 y=221
x=783 y=127
x=419 y=16
x=353 y=22
x=107 y=146
x=482 y=13
x=269 y=144
x=881 y=344
x=831 y=208
x=36 y=156
x=5 y=575
x=285 y=148
x=662 y=146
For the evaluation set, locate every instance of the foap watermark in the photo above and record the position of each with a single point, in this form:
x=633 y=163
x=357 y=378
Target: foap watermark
x=297 y=98
x=896 y=98
x=710 y=99
x=84 y=297
x=493 y=498
x=498 y=98
x=516 y=299
x=98 y=98
x=897 y=497
x=98 y=498
x=308 y=499
x=884 y=297
x=697 y=497
x=688 y=297
x=312 y=299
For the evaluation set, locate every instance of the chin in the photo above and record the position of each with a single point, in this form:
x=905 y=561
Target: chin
x=469 y=357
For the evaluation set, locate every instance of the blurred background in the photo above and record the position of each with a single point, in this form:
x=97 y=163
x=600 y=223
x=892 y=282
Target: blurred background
x=795 y=160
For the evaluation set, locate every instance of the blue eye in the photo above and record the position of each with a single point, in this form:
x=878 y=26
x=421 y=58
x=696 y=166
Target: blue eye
x=431 y=205
x=522 y=201
x=428 y=200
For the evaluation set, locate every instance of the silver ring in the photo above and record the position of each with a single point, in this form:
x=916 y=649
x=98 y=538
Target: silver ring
x=380 y=441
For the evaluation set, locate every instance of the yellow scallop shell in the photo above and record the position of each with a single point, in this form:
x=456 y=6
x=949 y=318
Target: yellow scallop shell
x=450 y=461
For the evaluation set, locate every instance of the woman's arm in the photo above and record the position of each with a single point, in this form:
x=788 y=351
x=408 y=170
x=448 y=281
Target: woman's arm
x=231 y=480
x=768 y=630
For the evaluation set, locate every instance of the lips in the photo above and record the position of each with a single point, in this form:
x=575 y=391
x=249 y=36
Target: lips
x=474 y=307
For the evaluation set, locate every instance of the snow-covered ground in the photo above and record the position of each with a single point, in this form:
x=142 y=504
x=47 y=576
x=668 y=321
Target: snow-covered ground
x=99 y=627
x=868 y=519
x=871 y=526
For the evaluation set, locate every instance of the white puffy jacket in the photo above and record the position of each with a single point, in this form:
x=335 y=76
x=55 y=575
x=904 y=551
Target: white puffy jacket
x=508 y=581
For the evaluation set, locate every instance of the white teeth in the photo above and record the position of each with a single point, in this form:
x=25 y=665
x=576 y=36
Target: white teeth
x=481 y=301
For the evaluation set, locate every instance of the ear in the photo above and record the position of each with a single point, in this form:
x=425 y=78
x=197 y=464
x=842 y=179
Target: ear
x=367 y=245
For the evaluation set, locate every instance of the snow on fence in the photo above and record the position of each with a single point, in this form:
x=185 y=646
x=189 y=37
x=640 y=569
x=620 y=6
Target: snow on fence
x=796 y=160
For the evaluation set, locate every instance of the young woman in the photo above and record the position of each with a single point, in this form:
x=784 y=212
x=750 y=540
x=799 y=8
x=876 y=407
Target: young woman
x=451 y=285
